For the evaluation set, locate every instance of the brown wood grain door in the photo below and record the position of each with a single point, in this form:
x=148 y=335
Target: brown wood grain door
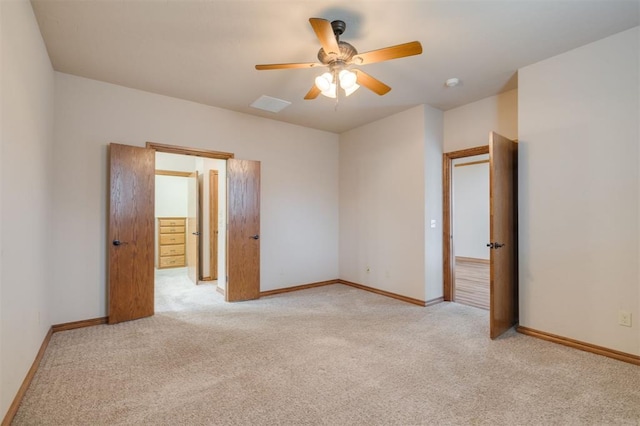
x=193 y=229
x=243 y=230
x=131 y=232
x=503 y=195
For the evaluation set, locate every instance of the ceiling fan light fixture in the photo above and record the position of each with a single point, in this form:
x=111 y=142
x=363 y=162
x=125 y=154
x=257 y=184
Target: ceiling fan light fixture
x=351 y=89
x=347 y=79
x=324 y=82
x=331 y=91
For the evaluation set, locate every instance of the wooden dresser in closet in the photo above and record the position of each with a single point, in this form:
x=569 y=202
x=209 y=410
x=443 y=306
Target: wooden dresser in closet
x=171 y=242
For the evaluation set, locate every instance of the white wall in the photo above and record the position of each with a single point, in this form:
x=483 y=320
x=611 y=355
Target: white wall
x=433 y=140
x=469 y=125
x=299 y=193
x=579 y=193
x=382 y=203
x=171 y=196
x=471 y=207
x=176 y=162
x=27 y=91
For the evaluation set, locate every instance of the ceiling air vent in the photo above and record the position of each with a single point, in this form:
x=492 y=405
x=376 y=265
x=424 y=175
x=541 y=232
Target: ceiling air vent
x=267 y=103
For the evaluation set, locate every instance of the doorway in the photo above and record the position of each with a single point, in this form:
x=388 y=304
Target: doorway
x=502 y=241
x=448 y=215
x=131 y=228
x=242 y=261
x=470 y=229
x=190 y=211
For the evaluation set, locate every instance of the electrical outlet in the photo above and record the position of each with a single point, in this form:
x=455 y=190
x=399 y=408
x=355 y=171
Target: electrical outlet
x=624 y=318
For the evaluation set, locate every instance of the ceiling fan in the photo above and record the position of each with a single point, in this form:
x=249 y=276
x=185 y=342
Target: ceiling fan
x=340 y=57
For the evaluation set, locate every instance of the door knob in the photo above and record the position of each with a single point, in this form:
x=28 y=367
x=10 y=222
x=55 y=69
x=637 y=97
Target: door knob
x=118 y=242
x=255 y=237
x=495 y=245
x=195 y=233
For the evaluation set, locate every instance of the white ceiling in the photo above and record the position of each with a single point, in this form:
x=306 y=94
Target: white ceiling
x=205 y=50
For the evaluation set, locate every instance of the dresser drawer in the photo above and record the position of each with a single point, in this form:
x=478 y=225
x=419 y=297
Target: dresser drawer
x=171 y=222
x=171 y=239
x=172 y=250
x=168 y=261
x=172 y=229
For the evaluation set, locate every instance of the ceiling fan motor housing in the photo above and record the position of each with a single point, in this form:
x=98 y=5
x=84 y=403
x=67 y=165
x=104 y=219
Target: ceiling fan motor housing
x=347 y=52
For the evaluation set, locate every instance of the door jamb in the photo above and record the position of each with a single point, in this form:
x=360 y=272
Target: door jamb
x=448 y=266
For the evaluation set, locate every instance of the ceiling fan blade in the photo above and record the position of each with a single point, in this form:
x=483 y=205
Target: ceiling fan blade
x=325 y=34
x=313 y=93
x=387 y=53
x=371 y=83
x=288 y=66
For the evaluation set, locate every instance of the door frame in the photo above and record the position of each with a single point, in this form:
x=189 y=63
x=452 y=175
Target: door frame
x=174 y=149
x=448 y=259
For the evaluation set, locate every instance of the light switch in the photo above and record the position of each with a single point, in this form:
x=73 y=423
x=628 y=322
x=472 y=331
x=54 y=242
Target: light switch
x=433 y=223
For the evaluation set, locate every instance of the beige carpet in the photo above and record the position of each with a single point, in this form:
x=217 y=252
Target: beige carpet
x=176 y=293
x=333 y=355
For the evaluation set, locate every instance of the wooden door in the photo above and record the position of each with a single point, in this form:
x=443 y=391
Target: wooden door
x=243 y=230
x=503 y=195
x=131 y=232
x=213 y=224
x=193 y=228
